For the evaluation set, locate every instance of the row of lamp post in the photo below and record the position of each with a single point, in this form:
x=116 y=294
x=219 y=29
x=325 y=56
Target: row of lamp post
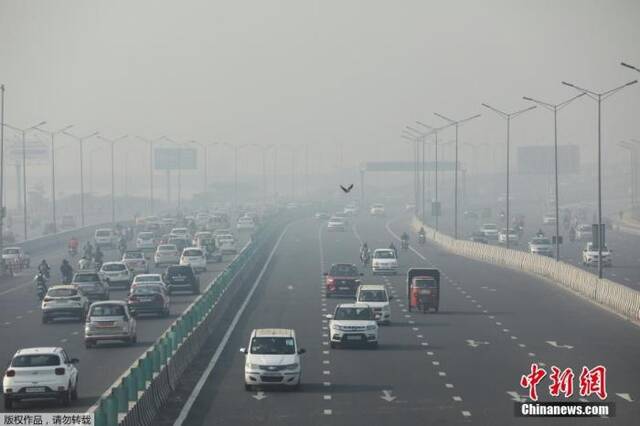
x=419 y=137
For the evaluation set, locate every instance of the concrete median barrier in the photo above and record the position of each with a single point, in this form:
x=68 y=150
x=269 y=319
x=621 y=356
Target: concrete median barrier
x=622 y=300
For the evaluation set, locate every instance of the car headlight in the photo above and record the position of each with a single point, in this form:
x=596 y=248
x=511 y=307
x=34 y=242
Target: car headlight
x=372 y=327
x=337 y=327
x=252 y=366
x=291 y=366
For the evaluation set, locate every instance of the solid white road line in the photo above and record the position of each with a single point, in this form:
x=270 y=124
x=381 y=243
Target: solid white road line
x=186 y=408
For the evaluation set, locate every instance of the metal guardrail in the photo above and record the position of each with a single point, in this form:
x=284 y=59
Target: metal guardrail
x=136 y=397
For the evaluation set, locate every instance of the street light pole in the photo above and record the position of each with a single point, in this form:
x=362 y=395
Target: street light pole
x=632 y=169
x=455 y=202
x=53 y=173
x=555 y=108
x=508 y=117
x=80 y=143
x=2 y=207
x=24 y=168
x=113 y=184
x=419 y=183
x=150 y=143
x=413 y=139
x=599 y=97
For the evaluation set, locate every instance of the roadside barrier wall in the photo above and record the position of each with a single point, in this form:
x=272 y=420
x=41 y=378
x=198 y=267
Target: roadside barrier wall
x=137 y=396
x=616 y=297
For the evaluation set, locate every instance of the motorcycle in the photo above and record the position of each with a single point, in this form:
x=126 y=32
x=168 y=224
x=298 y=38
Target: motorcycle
x=365 y=257
x=41 y=286
x=405 y=244
x=422 y=239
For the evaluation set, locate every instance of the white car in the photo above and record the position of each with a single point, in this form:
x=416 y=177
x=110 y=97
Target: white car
x=490 y=231
x=146 y=279
x=180 y=232
x=384 y=261
x=136 y=262
x=584 y=232
x=353 y=323
x=40 y=373
x=145 y=241
x=202 y=235
x=590 y=255
x=351 y=210
x=272 y=358
x=64 y=301
x=245 y=223
x=513 y=237
x=376 y=296
x=336 y=224
x=105 y=237
x=16 y=255
x=166 y=254
x=377 y=210
x=549 y=219
x=109 y=320
x=116 y=273
x=541 y=246
x=195 y=257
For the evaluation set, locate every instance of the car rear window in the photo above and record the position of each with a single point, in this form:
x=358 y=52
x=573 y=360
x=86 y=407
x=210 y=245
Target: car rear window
x=114 y=267
x=193 y=252
x=147 y=278
x=39 y=360
x=134 y=255
x=179 y=273
x=145 y=235
x=86 y=278
x=62 y=292
x=107 y=311
x=344 y=270
x=103 y=233
x=169 y=247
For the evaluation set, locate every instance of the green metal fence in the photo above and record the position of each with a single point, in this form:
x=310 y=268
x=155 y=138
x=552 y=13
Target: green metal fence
x=137 y=395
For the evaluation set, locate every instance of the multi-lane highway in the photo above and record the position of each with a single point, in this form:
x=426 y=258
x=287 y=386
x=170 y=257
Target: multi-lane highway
x=461 y=365
x=21 y=327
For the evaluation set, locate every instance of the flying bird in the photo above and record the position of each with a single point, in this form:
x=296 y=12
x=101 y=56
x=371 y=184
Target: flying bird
x=347 y=189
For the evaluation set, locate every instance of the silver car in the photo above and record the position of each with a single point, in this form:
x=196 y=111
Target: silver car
x=109 y=320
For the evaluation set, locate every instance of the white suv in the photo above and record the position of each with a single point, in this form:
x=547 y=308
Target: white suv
x=195 y=257
x=272 y=358
x=353 y=323
x=64 y=301
x=384 y=261
x=377 y=210
x=105 y=237
x=116 y=273
x=40 y=373
x=375 y=295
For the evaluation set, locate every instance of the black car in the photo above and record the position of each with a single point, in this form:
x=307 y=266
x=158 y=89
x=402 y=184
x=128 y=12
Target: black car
x=180 y=243
x=181 y=278
x=479 y=237
x=343 y=279
x=91 y=285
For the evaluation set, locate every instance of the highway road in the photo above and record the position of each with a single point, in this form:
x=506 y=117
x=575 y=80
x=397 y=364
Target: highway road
x=21 y=327
x=460 y=366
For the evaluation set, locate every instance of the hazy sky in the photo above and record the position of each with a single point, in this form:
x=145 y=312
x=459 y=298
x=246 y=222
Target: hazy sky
x=321 y=72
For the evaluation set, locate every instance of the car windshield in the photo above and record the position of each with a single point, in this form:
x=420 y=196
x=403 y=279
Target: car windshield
x=372 y=296
x=541 y=241
x=62 y=292
x=384 y=254
x=36 y=360
x=147 y=278
x=11 y=251
x=113 y=267
x=193 y=253
x=344 y=270
x=353 y=313
x=133 y=255
x=103 y=233
x=107 y=311
x=273 y=346
x=86 y=278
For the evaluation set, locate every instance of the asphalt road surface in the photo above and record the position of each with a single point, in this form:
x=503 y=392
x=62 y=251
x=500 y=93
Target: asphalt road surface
x=21 y=327
x=460 y=366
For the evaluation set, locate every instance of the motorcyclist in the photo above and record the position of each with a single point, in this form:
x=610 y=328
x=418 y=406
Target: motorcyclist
x=123 y=244
x=98 y=257
x=88 y=250
x=422 y=236
x=44 y=269
x=84 y=262
x=67 y=271
x=41 y=285
x=363 y=249
x=540 y=234
x=393 y=247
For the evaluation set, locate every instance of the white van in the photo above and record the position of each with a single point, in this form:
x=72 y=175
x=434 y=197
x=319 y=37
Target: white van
x=105 y=237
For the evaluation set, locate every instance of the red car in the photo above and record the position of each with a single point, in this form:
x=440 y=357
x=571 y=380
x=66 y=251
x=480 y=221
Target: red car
x=342 y=280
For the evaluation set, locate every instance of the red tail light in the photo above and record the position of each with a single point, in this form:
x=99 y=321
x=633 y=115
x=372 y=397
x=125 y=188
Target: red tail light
x=59 y=371
x=10 y=373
